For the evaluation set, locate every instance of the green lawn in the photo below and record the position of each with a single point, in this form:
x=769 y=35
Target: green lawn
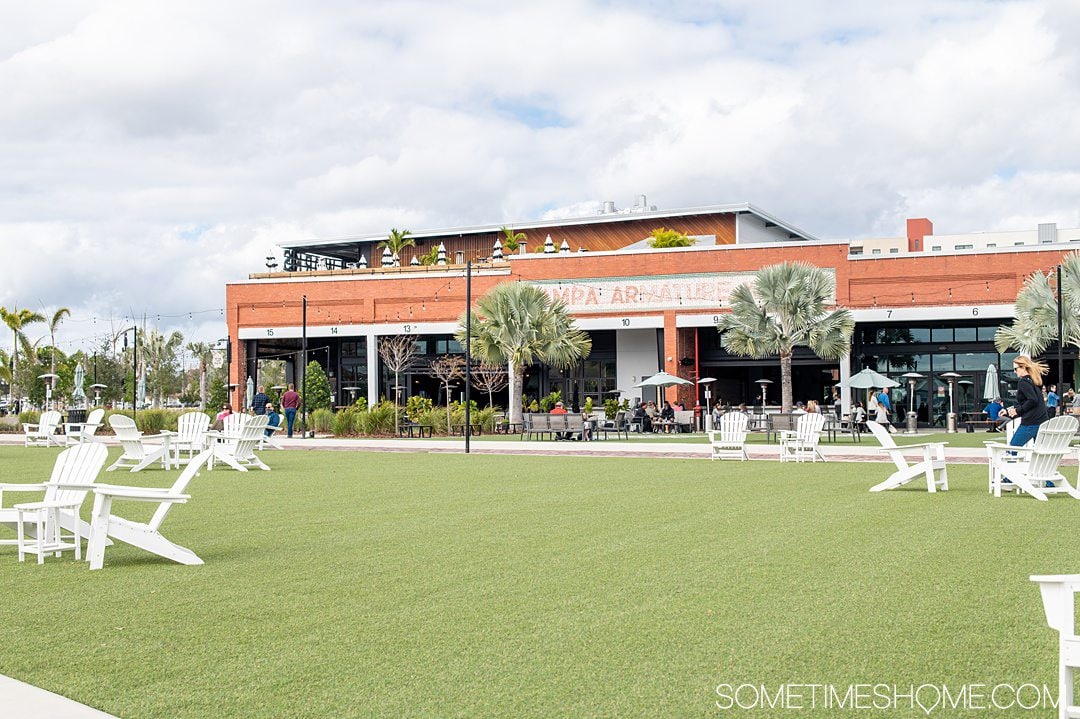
x=384 y=584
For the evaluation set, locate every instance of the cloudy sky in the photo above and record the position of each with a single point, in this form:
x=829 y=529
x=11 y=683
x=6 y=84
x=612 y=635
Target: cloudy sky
x=152 y=151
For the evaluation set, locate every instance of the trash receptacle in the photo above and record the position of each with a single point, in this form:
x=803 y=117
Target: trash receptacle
x=76 y=416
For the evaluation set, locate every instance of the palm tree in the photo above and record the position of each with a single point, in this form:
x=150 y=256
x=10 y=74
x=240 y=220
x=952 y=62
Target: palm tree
x=1035 y=326
x=517 y=324
x=203 y=355
x=158 y=355
x=16 y=320
x=512 y=240
x=398 y=240
x=786 y=308
x=54 y=324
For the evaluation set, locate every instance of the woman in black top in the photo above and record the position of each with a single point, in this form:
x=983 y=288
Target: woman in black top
x=1030 y=405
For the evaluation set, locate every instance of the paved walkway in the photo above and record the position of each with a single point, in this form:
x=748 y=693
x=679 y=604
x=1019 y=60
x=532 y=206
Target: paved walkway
x=866 y=451
x=21 y=700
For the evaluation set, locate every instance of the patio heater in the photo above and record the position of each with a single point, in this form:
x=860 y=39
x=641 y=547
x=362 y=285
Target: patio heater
x=950 y=418
x=48 y=377
x=764 y=386
x=706 y=417
x=912 y=418
x=97 y=392
x=352 y=393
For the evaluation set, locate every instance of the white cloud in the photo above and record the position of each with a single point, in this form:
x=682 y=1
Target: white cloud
x=151 y=152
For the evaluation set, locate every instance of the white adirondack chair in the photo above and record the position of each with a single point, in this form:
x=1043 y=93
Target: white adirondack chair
x=232 y=424
x=43 y=433
x=77 y=433
x=104 y=524
x=270 y=441
x=803 y=442
x=1057 y=596
x=931 y=466
x=238 y=450
x=191 y=428
x=728 y=440
x=1035 y=467
x=1010 y=429
x=72 y=476
x=139 y=453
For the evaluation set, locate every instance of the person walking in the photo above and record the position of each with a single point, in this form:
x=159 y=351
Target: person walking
x=1030 y=407
x=1052 y=401
x=290 y=403
x=884 y=410
x=259 y=401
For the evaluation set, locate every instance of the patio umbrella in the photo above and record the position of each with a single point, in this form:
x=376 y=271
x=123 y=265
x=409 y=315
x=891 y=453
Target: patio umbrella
x=249 y=393
x=868 y=378
x=80 y=377
x=140 y=392
x=990 y=389
x=662 y=379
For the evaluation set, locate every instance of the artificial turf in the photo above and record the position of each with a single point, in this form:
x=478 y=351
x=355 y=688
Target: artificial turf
x=349 y=584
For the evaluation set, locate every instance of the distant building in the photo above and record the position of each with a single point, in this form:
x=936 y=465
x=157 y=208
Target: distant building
x=924 y=302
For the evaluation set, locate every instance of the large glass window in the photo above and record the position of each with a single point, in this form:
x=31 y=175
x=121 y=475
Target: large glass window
x=941 y=334
x=986 y=334
x=966 y=334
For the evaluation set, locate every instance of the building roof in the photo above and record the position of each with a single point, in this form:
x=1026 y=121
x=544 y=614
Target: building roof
x=345 y=247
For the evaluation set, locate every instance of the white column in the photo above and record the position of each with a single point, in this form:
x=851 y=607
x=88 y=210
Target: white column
x=845 y=394
x=372 y=369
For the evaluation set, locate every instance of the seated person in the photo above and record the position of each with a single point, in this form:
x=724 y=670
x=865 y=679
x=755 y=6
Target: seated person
x=667 y=414
x=559 y=409
x=219 y=421
x=993 y=413
x=273 y=419
x=642 y=417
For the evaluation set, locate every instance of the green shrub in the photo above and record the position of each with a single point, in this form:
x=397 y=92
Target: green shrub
x=153 y=421
x=30 y=415
x=344 y=423
x=318 y=389
x=548 y=402
x=663 y=238
x=588 y=406
x=377 y=420
x=322 y=420
x=417 y=406
x=611 y=408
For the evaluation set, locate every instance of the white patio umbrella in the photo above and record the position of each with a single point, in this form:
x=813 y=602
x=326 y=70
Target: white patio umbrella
x=249 y=393
x=140 y=392
x=80 y=377
x=662 y=379
x=868 y=378
x=991 y=389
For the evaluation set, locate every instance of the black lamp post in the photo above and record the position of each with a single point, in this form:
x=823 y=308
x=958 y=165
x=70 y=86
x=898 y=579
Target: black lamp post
x=134 y=371
x=468 y=352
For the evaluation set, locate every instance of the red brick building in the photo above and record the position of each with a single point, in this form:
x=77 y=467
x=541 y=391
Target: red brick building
x=646 y=309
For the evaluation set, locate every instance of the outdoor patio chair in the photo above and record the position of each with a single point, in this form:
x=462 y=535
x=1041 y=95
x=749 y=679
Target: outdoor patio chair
x=140 y=450
x=270 y=441
x=77 y=433
x=803 y=442
x=191 y=429
x=234 y=423
x=728 y=440
x=1058 y=592
x=931 y=466
x=238 y=450
x=147 y=536
x=43 y=433
x=72 y=476
x=1034 y=467
x=619 y=425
